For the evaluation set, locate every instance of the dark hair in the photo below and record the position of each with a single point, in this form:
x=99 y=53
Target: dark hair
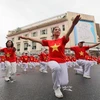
x=53 y=30
x=12 y=44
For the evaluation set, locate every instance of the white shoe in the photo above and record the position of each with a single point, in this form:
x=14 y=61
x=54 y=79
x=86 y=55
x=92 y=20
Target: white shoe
x=44 y=71
x=24 y=70
x=58 y=93
x=79 y=73
x=86 y=76
x=7 y=79
x=40 y=70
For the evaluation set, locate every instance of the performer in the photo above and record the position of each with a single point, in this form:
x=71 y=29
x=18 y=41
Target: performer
x=25 y=61
x=21 y=58
x=31 y=59
x=18 y=61
x=36 y=61
x=69 y=61
x=10 y=60
x=43 y=61
x=57 y=58
x=91 y=59
x=80 y=53
x=2 y=62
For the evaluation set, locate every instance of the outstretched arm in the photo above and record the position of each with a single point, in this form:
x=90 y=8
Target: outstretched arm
x=94 y=45
x=75 y=21
x=14 y=49
x=1 y=50
x=67 y=47
x=31 y=39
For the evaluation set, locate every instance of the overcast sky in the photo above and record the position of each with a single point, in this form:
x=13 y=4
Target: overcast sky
x=18 y=13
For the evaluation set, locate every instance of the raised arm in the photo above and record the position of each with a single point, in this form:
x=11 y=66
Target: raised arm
x=75 y=21
x=94 y=45
x=31 y=39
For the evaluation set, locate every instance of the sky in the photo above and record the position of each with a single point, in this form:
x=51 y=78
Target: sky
x=19 y=13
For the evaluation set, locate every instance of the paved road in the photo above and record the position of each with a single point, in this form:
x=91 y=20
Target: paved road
x=38 y=86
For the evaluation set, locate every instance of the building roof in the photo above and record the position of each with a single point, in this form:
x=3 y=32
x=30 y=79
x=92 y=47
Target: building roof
x=50 y=21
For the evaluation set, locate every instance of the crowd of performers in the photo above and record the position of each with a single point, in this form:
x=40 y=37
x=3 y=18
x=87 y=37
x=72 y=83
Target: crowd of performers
x=55 y=59
x=31 y=61
x=26 y=61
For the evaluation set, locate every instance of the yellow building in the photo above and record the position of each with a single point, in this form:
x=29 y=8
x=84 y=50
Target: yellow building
x=84 y=30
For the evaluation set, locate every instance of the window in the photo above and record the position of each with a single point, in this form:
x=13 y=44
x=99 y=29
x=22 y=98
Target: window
x=25 y=46
x=43 y=32
x=26 y=35
x=33 y=45
x=18 y=38
x=51 y=29
x=18 y=47
x=34 y=34
x=63 y=27
x=12 y=39
x=43 y=38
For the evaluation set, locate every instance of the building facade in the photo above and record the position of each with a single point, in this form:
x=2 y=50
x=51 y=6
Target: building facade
x=85 y=30
x=98 y=31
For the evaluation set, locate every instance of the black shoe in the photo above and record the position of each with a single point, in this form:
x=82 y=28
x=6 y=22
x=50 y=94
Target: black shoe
x=11 y=80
